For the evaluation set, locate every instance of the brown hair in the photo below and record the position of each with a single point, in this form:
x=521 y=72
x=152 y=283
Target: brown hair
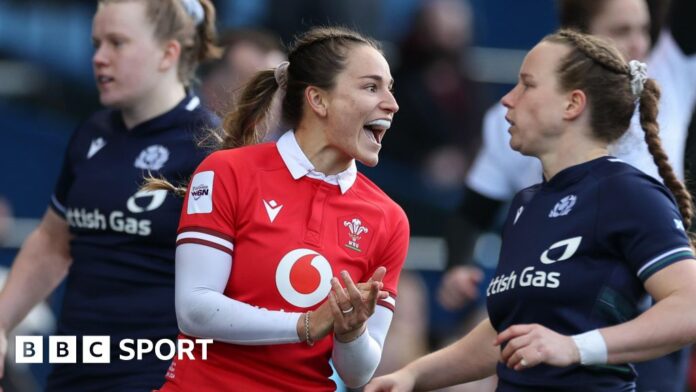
x=171 y=21
x=316 y=58
x=598 y=69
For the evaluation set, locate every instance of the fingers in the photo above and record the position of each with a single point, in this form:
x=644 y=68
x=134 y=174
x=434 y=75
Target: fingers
x=528 y=345
x=512 y=332
x=353 y=292
x=340 y=295
x=333 y=304
x=513 y=346
x=459 y=286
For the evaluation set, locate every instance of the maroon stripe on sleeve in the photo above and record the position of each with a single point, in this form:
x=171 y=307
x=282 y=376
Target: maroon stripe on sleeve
x=206 y=231
x=204 y=242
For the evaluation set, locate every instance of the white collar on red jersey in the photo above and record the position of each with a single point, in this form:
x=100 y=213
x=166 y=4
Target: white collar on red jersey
x=300 y=166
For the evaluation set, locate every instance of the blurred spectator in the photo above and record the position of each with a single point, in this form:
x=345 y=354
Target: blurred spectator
x=245 y=53
x=437 y=134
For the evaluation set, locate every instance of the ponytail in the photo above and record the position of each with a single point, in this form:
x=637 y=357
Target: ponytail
x=649 y=99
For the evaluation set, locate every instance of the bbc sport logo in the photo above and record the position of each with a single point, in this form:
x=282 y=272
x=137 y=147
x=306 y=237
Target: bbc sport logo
x=97 y=349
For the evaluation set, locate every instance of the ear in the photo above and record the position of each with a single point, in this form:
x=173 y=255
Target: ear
x=317 y=100
x=574 y=105
x=172 y=52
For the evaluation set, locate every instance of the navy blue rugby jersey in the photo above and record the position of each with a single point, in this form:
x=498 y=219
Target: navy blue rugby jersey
x=121 y=282
x=576 y=252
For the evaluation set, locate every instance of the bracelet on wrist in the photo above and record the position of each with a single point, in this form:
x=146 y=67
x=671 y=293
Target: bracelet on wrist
x=308 y=338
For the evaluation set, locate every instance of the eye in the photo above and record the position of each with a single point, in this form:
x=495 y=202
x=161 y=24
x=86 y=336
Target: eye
x=372 y=88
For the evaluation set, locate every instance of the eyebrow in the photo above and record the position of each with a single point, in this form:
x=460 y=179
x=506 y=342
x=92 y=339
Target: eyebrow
x=377 y=78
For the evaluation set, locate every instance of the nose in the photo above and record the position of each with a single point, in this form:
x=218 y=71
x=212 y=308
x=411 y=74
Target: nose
x=508 y=99
x=99 y=58
x=389 y=103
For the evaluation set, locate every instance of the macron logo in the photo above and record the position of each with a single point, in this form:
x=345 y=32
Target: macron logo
x=272 y=208
x=97 y=144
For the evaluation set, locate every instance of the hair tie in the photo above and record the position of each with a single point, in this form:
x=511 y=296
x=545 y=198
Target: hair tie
x=195 y=9
x=639 y=75
x=281 y=74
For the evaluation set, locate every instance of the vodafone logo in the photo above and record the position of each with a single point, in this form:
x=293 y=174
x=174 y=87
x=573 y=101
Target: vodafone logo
x=303 y=277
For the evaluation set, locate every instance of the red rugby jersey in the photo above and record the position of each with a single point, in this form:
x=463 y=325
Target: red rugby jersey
x=288 y=234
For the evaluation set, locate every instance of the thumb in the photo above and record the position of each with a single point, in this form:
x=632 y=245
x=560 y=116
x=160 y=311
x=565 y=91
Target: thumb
x=378 y=275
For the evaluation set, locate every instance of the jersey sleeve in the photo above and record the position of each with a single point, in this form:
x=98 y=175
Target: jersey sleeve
x=639 y=220
x=208 y=213
x=393 y=257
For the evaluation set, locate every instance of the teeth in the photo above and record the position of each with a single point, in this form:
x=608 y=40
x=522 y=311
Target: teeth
x=379 y=123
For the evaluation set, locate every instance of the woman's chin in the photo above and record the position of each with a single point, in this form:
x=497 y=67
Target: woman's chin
x=369 y=161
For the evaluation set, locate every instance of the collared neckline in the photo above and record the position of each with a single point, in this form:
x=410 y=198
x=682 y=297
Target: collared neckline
x=166 y=120
x=575 y=173
x=299 y=165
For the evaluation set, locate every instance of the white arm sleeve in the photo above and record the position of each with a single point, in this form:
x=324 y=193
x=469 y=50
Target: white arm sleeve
x=202 y=310
x=357 y=361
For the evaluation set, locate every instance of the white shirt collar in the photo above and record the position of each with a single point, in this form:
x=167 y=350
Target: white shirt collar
x=299 y=165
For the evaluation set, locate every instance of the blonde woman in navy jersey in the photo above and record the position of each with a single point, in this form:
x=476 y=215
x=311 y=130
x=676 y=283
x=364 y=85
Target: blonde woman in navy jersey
x=115 y=243
x=581 y=248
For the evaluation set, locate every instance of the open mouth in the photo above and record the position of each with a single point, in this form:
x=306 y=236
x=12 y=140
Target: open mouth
x=376 y=129
x=103 y=80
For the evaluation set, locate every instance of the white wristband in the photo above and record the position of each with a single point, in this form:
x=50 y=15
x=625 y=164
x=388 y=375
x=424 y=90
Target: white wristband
x=592 y=348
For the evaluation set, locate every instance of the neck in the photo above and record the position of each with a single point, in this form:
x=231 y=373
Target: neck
x=163 y=98
x=325 y=158
x=572 y=151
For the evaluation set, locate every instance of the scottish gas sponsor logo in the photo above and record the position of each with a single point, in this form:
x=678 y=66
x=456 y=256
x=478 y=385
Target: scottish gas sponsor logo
x=119 y=221
x=532 y=277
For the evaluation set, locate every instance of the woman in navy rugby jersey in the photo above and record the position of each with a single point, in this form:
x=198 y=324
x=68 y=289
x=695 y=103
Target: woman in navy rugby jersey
x=115 y=243
x=579 y=249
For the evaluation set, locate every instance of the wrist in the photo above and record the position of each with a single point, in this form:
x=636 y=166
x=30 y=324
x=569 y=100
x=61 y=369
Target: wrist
x=591 y=348
x=350 y=336
x=321 y=323
x=307 y=329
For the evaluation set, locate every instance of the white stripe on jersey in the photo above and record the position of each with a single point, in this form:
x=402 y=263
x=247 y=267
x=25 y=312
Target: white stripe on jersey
x=205 y=237
x=660 y=257
x=193 y=103
x=58 y=205
x=390 y=300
